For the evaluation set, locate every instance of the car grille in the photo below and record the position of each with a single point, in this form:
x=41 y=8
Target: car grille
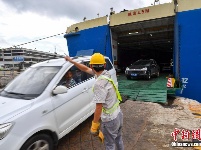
x=136 y=72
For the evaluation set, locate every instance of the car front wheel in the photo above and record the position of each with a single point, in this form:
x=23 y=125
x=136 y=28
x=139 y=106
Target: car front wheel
x=37 y=142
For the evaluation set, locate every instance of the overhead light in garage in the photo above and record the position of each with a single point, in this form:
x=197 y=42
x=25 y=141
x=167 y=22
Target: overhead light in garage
x=134 y=32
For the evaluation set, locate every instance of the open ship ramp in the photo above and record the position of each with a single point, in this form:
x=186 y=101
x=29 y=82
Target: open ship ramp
x=153 y=90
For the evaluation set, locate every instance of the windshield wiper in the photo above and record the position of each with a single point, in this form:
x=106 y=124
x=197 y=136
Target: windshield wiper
x=15 y=93
x=4 y=93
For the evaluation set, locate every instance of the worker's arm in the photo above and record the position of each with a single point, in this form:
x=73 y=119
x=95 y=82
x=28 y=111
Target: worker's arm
x=95 y=123
x=97 y=113
x=80 y=66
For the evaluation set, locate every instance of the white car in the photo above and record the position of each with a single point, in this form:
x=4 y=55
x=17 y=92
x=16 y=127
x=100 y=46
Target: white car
x=36 y=110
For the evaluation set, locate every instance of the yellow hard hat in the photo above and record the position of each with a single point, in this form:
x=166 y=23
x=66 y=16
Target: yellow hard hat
x=97 y=58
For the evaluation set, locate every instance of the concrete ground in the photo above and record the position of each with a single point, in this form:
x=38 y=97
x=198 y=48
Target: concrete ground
x=147 y=126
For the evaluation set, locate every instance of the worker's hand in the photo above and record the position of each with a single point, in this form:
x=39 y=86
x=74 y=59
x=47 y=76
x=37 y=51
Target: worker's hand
x=95 y=128
x=67 y=58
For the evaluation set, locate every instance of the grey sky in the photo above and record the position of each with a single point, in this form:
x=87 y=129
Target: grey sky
x=22 y=21
x=75 y=9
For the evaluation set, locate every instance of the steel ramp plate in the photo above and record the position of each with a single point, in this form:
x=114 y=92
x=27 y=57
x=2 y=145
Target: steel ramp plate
x=154 y=90
x=132 y=94
x=159 y=96
x=125 y=83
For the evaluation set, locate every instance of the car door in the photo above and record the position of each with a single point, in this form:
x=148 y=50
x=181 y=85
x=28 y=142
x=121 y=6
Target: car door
x=70 y=107
x=111 y=69
x=90 y=80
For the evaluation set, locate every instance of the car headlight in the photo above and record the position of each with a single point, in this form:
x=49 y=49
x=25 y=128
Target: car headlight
x=4 y=129
x=144 y=69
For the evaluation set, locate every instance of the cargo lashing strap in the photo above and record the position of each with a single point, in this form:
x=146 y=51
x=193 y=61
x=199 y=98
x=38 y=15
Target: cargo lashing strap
x=114 y=107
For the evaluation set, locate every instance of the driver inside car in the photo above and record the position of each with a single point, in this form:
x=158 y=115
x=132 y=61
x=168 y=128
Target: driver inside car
x=69 y=81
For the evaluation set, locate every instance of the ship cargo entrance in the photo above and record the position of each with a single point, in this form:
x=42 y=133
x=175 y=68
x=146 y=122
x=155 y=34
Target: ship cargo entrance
x=151 y=39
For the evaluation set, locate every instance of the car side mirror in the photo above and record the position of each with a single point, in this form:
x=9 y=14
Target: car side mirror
x=60 y=90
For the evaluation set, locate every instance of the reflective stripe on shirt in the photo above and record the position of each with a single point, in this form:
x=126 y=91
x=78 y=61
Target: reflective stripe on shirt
x=114 y=107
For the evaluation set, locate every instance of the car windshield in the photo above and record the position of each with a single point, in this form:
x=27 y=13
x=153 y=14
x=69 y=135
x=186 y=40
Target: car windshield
x=31 y=83
x=141 y=62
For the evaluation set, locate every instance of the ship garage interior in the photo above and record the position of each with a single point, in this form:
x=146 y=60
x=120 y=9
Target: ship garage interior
x=151 y=39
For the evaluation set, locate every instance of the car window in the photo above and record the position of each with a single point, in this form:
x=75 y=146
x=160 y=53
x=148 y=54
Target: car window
x=154 y=62
x=108 y=65
x=31 y=83
x=76 y=77
x=141 y=62
x=86 y=76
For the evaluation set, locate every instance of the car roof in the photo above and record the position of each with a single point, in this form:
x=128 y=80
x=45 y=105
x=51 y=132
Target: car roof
x=61 y=61
x=146 y=60
x=51 y=62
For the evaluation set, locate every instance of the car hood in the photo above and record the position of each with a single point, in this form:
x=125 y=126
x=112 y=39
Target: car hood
x=137 y=67
x=10 y=107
